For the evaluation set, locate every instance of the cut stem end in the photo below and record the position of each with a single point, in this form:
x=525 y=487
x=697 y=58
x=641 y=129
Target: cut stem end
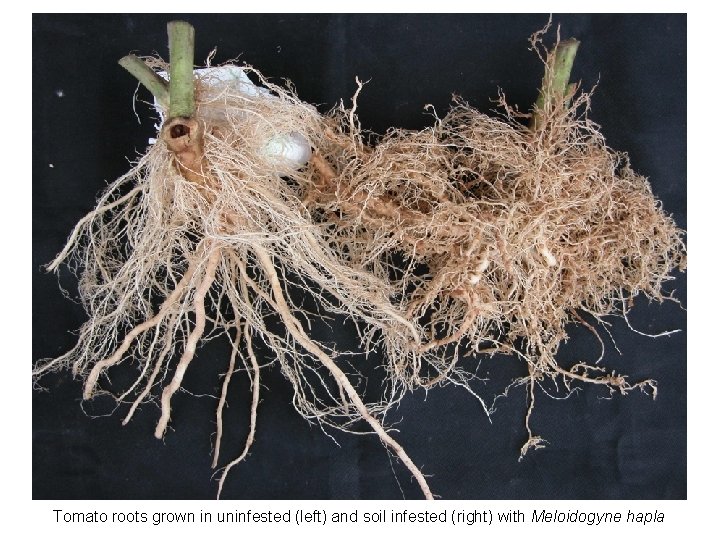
x=147 y=77
x=181 y=42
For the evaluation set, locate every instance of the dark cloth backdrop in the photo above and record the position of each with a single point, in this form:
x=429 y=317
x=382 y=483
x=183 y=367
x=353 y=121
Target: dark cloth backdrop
x=84 y=132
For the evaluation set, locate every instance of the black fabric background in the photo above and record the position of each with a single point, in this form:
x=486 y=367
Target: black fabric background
x=83 y=124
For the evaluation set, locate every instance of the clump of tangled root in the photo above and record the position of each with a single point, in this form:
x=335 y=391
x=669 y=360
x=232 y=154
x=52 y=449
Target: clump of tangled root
x=506 y=233
x=477 y=233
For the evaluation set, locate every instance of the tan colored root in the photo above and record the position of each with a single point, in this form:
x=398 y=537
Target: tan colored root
x=223 y=398
x=91 y=380
x=148 y=386
x=452 y=338
x=295 y=328
x=533 y=441
x=255 y=392
x=195 y=335
x=613 y=381
x=102 y=207
x=159 y=364
x=255 y=383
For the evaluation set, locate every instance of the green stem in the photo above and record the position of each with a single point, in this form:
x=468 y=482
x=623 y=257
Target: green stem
x=554 y=88
x=147 y=77
x=181 y=40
